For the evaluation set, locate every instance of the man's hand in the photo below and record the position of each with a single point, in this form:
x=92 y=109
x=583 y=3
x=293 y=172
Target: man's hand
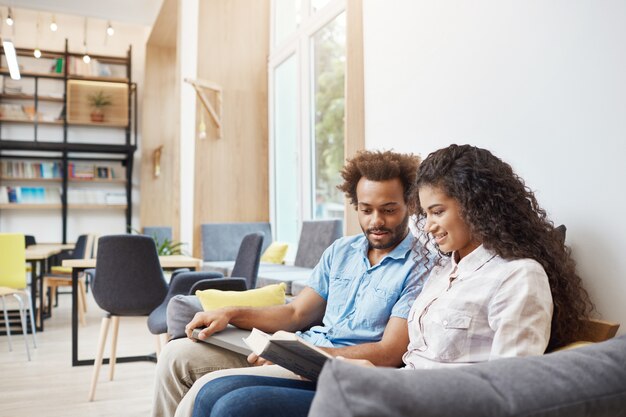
x=256 y=360
x=213 y=321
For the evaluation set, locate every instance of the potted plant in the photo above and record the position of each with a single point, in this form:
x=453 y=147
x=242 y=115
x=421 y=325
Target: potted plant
x=98 y=101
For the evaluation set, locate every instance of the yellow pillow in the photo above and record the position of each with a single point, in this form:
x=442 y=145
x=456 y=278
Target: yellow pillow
x=275 y=253
x=270 y=295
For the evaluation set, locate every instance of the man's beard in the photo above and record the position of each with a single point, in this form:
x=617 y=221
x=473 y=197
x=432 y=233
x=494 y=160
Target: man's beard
x=396 y=235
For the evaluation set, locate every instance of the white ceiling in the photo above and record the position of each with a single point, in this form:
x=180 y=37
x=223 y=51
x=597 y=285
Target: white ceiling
x=142 y=12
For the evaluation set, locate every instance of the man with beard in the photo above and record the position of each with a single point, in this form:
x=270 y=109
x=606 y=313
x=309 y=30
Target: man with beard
x=360 y=291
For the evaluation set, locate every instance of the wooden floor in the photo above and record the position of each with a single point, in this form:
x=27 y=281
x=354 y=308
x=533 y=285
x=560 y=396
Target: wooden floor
x=49 y=386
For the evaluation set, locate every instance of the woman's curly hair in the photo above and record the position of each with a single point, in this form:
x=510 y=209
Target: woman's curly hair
x=503 y=213
x=380 y=166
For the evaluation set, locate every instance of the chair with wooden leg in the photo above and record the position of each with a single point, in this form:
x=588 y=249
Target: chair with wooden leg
x=128 y=281
x=61 y=276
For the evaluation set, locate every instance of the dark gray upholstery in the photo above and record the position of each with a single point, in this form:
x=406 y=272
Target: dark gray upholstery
x=248 y=258
x=315 y=237
x=182 y=308
x=30 y=240
x=159 y=233
x=77 y=253
x=180 y=283
x=220 y=241
x=128 y=280
x=246 y=267
x=588 y=381
x=180 y=311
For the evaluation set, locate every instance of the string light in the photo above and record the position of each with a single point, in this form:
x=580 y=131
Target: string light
x=86 y=57
x=10 y=18
x=53 y=24
x=37 y=51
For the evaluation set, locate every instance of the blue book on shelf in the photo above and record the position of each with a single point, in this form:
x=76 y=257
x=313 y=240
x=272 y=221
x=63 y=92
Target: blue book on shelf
x=14 y=194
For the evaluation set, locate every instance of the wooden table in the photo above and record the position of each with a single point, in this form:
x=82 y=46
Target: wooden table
x=79 y=265
x=39 y=255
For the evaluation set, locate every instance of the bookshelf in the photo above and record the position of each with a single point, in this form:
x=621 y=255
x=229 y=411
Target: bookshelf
x=55 y=156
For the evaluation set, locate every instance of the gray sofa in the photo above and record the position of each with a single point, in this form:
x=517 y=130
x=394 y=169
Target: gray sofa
x=589 y=381
x=315 y=237
x=220 y=241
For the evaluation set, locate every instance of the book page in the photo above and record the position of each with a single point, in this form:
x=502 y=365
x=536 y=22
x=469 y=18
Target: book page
x=290 y=352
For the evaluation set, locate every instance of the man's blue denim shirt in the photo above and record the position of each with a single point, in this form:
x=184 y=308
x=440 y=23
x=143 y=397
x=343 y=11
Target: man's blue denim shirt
x=360 y=298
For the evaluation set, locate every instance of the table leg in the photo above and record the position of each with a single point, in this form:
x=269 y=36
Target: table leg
x=37 y=277
x=75 y=273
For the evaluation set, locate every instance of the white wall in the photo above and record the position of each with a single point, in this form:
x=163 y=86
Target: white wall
x=46 y=225
x=540 y=83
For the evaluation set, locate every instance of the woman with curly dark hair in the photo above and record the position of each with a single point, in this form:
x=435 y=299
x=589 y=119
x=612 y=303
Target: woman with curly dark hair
x=487 y=225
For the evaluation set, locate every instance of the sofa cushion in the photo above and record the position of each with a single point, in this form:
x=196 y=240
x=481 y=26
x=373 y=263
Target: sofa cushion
x=270 y=295
x=220 y=241
x=588 y=381
x=180 y=311
x=275 y=253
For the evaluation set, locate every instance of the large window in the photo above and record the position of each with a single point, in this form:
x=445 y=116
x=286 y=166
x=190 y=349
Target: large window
x=307 y=100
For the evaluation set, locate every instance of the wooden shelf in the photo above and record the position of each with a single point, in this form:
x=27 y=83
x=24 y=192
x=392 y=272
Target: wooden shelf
x=26 y=206
x=31 y=97
x=74 y=180
x=79 y=108
x=97 y=124
x=5 y=71
x=98 y=180
x=31 y=179
x=32 y=122
x=96 y=78
x=96 y=206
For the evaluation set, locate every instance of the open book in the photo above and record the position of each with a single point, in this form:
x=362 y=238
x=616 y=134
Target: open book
x=289 y=351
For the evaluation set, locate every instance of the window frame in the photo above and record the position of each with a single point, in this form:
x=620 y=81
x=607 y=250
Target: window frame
x=299 y=43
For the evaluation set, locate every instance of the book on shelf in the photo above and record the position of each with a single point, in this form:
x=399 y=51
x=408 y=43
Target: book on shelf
x=30 y=169
x=115 y=198
x=104 y=172
x=289 y=351
x=29 y=195
x=81 y=171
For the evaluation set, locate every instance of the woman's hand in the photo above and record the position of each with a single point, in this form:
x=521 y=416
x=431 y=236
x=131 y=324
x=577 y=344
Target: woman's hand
x=256 y=360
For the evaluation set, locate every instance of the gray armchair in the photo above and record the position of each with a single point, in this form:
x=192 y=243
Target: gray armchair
x=243 y=277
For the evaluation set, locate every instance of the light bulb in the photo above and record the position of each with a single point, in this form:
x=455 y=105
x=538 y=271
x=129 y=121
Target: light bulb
x=37 y=53
x=9 y=20
x=53 y=26
x=86 y=58
x=110 y=30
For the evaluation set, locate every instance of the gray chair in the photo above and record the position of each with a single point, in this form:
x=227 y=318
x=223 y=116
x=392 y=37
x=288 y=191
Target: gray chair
x=30 y=240
x=315 y=237
x=243 y=277
x=128 y=282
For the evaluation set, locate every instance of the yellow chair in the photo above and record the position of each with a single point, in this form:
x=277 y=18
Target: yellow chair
x=61 y=276
x=13 y=282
